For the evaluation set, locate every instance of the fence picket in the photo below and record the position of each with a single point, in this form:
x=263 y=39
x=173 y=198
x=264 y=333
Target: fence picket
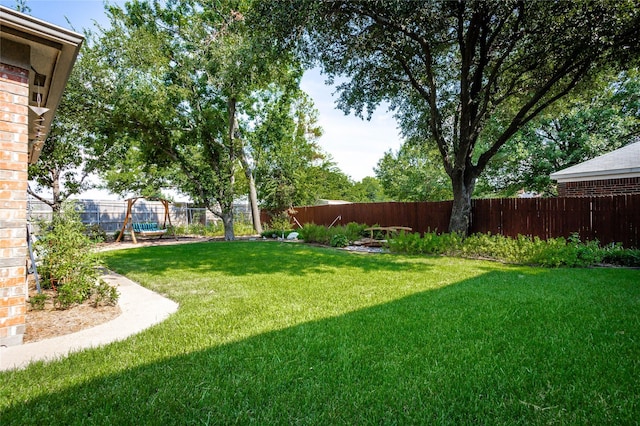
x=610 y=219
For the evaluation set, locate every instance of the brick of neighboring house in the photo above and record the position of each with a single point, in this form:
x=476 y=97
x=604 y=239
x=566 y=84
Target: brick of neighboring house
x=599 y=187
x=14 y=145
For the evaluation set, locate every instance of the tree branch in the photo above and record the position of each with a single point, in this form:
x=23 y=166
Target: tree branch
x=38 y=197
x=532 y=108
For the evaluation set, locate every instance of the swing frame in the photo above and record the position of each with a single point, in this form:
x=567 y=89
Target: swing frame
x=128 y=221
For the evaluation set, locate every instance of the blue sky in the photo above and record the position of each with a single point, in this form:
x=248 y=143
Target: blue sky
x=356 y=145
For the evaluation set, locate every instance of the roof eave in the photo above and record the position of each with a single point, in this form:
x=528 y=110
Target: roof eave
x=596 y=175
x=32 y=31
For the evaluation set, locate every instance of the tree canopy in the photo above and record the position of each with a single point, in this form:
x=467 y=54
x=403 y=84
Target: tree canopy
x=578 y=129
x=188 y=73
x=465 y=76
x=413 y=173
x=575 y=130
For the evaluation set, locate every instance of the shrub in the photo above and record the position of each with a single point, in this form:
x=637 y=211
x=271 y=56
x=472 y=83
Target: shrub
x=276 y=233
x=278 y=227
x=616 y=255
x=68 y=261
x=554 y=252
x=38 y=301
x=428 y=243
x=339 y=240
x=319 y=234
x=279 y=221
x=104 y=294
x=213 y=229
x=95 y=233
x=312 y=233
x=71 y=293
x=516 y=250
x=354 y=231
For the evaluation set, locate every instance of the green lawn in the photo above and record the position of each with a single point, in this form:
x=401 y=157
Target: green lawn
x=278 y=333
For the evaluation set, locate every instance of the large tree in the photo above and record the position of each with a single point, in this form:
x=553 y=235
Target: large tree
x=187 y=73
x=574 y=131
x=463 y=75
x=283 y=146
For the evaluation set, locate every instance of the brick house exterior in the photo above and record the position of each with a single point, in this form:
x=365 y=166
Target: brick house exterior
x=599 y=187
x=615 y=173
x=26 y=45
x=14 y=104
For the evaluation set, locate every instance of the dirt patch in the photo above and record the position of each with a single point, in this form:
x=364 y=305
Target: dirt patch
x=51 y=322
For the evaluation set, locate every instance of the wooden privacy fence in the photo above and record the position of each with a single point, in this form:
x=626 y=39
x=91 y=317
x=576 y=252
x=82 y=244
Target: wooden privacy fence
x=608 y=219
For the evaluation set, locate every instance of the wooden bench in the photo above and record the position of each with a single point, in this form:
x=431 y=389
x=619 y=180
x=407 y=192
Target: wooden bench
x=148 y=230
x=387 y=229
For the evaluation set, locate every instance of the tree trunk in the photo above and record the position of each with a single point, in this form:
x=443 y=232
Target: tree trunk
x=463 y=186
x=55 y=190
x=225 y=212
x=253 y=194
x=228 y=195
x=227 y=221
x=56 y=200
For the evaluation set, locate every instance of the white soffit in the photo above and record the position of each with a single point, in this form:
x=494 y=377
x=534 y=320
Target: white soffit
x=53 y=53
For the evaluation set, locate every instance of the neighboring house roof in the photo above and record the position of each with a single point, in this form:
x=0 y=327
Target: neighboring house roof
x=621 y=163
x=49 y=52
x=324 y=202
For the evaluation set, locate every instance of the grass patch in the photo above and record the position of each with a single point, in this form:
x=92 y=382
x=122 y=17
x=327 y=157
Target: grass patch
x=277 y=333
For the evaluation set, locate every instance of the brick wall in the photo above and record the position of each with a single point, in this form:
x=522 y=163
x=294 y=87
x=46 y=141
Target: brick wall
x=14 y=143
x=599 y=187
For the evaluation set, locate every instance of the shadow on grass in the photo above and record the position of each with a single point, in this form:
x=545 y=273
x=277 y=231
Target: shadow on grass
x=246 y=258
x=500 y=348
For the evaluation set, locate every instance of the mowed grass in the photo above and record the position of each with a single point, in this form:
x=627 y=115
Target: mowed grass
x=280 y=333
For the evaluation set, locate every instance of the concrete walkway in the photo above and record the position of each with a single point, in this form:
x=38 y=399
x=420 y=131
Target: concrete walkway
x=141 y=308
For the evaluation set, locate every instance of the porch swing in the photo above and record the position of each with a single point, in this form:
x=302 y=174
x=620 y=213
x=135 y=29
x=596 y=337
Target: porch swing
x=144 y=229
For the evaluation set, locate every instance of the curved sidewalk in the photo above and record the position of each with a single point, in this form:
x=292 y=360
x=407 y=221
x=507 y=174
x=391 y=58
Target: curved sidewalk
x=141 y=308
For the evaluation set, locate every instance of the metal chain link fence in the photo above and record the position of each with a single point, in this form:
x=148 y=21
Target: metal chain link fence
x=109 y=215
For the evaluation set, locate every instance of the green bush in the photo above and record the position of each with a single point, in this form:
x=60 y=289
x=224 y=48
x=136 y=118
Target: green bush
x=616 y=255
x=429 y=243
x=278 y=227
x=554 y=252
x=570 y=252
x=38 y=301
x=242 y=227
x=68 y=261
x=319 y=234
x=279 y=221
x=354 y=231
x=71 y=293
x=339 y=240
x=312 y=233
x=514 y=250
x=276 y=233
x=95 y=233
x=104 y=294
